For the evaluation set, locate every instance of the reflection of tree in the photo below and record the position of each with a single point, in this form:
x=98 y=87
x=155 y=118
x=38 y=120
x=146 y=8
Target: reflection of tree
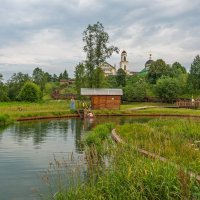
x=1 y=131
x=78 y=129
x=39 y=130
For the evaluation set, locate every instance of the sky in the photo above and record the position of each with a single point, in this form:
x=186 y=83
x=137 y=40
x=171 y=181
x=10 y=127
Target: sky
x=48 y=33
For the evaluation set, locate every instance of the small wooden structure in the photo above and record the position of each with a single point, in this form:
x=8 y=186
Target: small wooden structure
x=104 y=98
x=188 y=104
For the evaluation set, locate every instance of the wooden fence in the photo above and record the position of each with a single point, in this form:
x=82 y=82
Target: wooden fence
x=188 y=104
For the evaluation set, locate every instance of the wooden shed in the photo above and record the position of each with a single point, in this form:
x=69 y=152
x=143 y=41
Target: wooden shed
x=105 y=98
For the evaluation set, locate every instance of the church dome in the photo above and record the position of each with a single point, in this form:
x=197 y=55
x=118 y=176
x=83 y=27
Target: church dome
x=148 y=63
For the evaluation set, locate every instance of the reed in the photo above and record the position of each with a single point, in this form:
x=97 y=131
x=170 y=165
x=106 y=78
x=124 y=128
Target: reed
x=119 y=171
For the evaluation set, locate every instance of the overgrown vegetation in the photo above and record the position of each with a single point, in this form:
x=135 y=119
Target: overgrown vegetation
x=121 y=172
x=4 y=120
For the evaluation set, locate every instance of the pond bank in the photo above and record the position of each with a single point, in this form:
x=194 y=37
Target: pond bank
x=108 y=115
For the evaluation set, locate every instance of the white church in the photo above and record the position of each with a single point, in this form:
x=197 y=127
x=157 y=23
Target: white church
x=109 y=69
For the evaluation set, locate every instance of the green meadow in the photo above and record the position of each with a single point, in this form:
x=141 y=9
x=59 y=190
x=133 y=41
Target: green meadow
x=120 y=171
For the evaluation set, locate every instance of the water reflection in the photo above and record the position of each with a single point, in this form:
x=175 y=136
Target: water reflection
x=26 y=148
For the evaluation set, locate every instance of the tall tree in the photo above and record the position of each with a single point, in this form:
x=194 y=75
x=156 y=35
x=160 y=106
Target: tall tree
x=194 y=76
x=3 y=90
x=39 y=78
x=178 y=69
x=100 y=80
x=121 y=77
x=157 y=69
x=65 y=75
x=80 y=77
x=1 y=77
x=97 y=49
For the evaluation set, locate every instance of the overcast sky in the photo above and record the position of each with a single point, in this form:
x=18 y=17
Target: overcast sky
x=48 y=33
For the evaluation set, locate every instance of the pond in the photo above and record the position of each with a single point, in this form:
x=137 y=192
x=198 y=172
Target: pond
x=27 y=148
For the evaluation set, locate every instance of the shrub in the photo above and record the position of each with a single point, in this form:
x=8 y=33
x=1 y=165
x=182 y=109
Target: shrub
x=30 y=92
x=167 y=88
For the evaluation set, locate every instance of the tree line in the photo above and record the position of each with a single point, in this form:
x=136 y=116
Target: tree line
x=161 y=80
x=23 y=87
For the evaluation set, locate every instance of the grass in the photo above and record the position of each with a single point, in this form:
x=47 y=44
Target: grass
x=177 y=140
x=117 y=172
x=4 y=120
x=23 y=109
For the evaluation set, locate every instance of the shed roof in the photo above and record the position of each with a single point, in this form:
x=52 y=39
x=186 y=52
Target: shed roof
x=102 y=91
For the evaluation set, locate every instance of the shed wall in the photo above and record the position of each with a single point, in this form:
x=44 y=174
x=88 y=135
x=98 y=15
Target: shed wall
x=106 y=102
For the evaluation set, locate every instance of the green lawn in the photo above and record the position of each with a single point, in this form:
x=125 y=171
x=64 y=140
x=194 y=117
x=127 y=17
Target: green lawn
x=16 y=110
x=23 y=109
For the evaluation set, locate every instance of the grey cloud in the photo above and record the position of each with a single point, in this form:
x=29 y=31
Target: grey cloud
x=169 y=28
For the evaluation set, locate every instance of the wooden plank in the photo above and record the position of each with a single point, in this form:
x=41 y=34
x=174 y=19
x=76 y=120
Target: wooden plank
x=118 y=139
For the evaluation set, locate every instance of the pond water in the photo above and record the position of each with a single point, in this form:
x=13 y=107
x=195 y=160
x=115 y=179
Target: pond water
x=27 y=148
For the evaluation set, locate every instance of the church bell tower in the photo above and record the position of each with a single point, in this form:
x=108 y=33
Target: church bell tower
x=124 y=62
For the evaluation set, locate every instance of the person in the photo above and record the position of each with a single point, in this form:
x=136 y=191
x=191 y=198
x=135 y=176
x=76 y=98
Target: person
x=90 y=115
x=72 y=104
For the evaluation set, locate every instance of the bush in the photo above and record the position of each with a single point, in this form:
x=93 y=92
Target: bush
x=167 y=88
x=30 y=92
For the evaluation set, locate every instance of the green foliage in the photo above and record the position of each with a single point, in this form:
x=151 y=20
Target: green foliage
x=177 y=69
x=194 y=76
x=111 y=81
x=80 y=77
x=97 y=50
x=3 y=92
x=40 y=78
x=124 y=173
x=158 y=69
x=167 y=88
x=15 y=84
x=98 y=135
x=121 y=77
x=30 y=92
x=135 y=91
x=63 y=75
x=4 y=120
x=99 y=78
x=1 y=77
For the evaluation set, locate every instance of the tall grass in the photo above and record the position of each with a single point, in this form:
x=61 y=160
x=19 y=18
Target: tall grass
x=4 y=120
x=175 y=139
x=118 y=172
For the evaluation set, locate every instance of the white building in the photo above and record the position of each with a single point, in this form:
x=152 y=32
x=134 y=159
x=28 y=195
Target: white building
x=108 y=69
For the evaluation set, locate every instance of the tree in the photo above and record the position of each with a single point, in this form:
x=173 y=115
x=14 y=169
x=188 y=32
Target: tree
x=97 y=50
x=30 y=92
x=39 y=78
x=55 y=78
x=60 y=76
x=1 y=77
x=65 y=75
x=194 y=76
x=177 y=69
x=15 y=84
x=99 y=78
x=167 y=88
x=80 y=77
x=111 y=81
x=49 y=77
x=3 y=92
x=121 y=77
x=156 y=70
x=136 y=91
